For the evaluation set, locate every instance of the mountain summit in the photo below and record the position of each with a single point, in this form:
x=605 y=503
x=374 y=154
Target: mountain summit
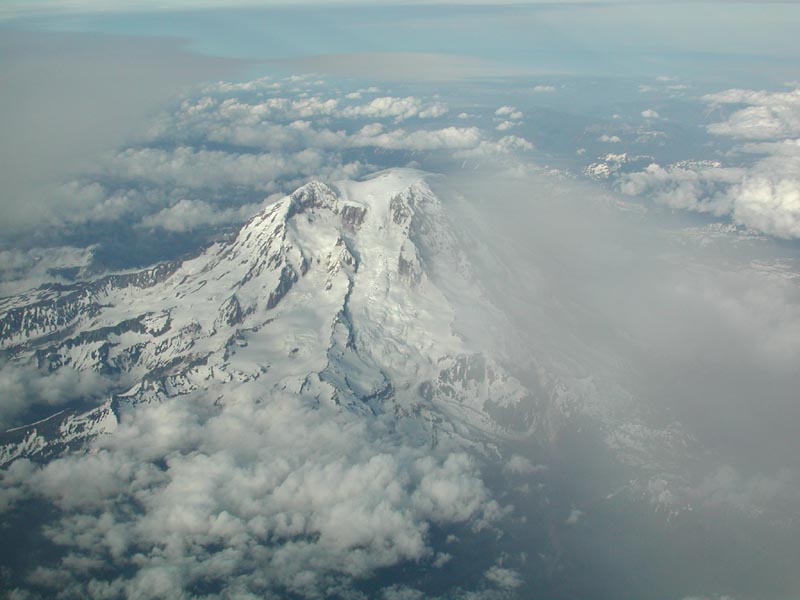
x=346 y=310
x=352 y=294
x=331 y=293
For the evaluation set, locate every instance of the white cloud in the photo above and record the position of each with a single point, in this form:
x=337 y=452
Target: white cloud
x=287 y=136
x=215 y=169
x=766 y=204
x=764 y=197
x=544 y=89
x=278 y=108
x=575 y=515
x=519 y=465
x=399 y=109
x=23 y=388
x=259 y=84
x=650 y=114
x=402 y=593
x=261 y=125
x=506 y=145
x=92 y=202
x=508 y=112
x=504 y=578
x=698 y=188
x=312 y=497
x=187 y=215
x=399 y=139
x=753 y=97
x=759 y=123
x=609 y=139
x=297 y=135
x=21 y=270
x=770 y=115
x=751 y=494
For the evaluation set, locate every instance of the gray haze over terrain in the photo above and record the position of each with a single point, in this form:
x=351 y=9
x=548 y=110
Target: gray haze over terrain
x=706 y=333
x=68 y=98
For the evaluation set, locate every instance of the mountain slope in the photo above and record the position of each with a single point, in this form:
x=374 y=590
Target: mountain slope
x=352 y=294
x=326 y=294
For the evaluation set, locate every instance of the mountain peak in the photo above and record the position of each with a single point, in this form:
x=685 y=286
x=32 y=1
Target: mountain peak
x=345 y=293
x=312 y=195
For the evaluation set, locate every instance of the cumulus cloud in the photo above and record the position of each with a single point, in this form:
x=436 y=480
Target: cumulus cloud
x=241 y=127
x=721 y=336
x=505 y=578
x=508 y=111
x=21 y=270
x=694 y=187
x=83 y=202
x=508 y=117
x=650 y=114
x=264 y=494
x=187 y=215
x=258 y=84
x=399 y=139
x=281 y=124
x=506 y=145
x=398 y=109
x=519 y=465
x=260 y=136
x=575 y=515
x=215 y=169
x=763 y=196
x=276 y=108
x=24 y=389
x=751 y=494
x=544 y=89
x=287 y=109
x=768 y=204
x=609 y=139
x=769 y=115
x=759 y=123
x=123 y=202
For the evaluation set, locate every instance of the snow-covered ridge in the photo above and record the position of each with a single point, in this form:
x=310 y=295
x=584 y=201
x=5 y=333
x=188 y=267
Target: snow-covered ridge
x=327 y=293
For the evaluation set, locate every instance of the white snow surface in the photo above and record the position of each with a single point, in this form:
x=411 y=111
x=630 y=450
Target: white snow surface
x=351 y=293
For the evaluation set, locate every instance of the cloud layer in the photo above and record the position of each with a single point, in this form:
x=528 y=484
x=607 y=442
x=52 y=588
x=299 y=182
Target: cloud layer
x=261 y=496
x=763 y=194
x=263 y=137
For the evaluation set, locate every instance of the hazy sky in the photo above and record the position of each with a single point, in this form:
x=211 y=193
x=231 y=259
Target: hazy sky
x=66 y=98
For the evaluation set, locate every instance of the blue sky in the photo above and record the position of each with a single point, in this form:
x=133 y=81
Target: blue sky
x=724 y=41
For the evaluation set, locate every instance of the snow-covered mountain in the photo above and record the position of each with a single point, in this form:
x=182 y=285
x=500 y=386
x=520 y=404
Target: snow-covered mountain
x=347 y=294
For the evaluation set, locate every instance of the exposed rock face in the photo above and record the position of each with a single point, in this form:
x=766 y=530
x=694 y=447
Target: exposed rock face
x=56 y=309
